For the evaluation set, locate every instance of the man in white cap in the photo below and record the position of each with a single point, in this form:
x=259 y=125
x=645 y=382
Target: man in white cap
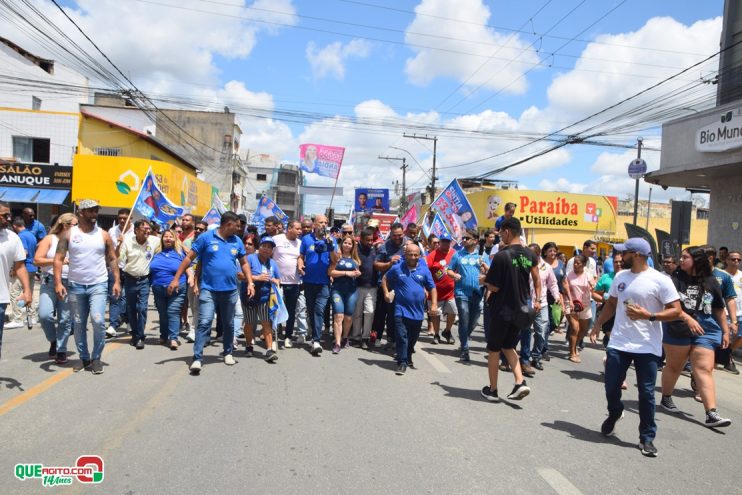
x=640 y=298
x=89 y=248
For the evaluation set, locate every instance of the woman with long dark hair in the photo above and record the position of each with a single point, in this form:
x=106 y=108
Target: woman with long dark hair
x=701 y=329
x=578 y=285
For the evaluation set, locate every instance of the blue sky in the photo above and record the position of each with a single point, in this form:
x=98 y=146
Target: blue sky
x=430 y=65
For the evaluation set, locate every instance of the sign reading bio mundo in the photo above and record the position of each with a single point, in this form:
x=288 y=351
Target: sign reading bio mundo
x=724 y=134
x=372 y=200
x=548 y=210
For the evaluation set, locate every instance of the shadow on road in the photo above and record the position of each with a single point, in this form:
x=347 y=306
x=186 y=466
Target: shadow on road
x=387 y=364
x=583 y=375
x=47 y=363
x=11 y=383
x=579 y=432
x=467 y=393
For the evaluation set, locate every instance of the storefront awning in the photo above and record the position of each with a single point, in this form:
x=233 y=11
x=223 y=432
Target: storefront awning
x=29 y=195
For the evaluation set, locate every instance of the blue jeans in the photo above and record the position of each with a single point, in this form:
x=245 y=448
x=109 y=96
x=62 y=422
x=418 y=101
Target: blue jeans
x=56 y=329
x=344 y=301
x=616 y=365
x=290 y=298
x=168 y=307
x=2 y=324
x=468 y=306
x=88 y=300
x=137 y=298
x=317 y=297
x=540 y=332
x=116 y=305
x=210 y=302
x=407 y=333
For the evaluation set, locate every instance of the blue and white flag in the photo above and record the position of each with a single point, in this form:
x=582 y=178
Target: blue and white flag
x=438 y=227
x=276 y=308
x=455 y=210
x=268 y=208
x=212 y=217
x=154 y=205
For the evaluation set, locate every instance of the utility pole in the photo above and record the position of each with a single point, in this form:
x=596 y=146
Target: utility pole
x=403 y=199
x=637 y=169
x=435 y=145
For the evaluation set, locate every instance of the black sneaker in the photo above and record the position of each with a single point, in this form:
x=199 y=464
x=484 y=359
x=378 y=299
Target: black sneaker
x=449 y=338
x=489 y=394
x=82 y=365
x=536 y=363
x=401 y=368
x=249 y=351
x=648 y=449
x=731 y=367
x=53 y=350
x=140 y=344
x=465 y=356
x=609 y=425
x=519 y=391
x=270 y=356
x=96 y=367
x=668 y=404
x=410 y=364
x=713 y=420
x=61 y=358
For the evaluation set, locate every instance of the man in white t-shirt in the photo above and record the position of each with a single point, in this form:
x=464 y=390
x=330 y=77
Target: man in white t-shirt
x=734 y=262
x=12 y=257
x=588 y=249
x=640 y=298
x=285 y=254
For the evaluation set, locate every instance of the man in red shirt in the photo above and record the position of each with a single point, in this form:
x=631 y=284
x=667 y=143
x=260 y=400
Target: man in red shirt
x=438 y=262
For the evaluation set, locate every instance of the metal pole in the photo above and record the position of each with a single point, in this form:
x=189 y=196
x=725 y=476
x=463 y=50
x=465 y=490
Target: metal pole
x=649 y=207
x=432 y=181
x=403 y=202
x=636 y=188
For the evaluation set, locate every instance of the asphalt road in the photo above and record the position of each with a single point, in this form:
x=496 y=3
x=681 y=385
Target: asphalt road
x=344 y=424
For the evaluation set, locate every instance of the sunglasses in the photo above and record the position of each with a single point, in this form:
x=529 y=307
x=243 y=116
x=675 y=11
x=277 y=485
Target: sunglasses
x=735 y=259
x=348 y=232
x=467 y=238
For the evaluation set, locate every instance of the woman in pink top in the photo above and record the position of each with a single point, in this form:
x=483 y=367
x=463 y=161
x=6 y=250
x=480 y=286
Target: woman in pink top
x=578 y=285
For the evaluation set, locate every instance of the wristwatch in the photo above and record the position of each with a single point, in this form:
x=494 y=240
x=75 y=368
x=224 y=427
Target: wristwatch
x=653 y=317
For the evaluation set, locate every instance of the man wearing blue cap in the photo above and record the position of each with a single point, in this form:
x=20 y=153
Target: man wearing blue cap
x=640 y=298
x=264 y=274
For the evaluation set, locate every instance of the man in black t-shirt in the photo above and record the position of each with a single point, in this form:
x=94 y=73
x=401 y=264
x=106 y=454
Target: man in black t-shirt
x=511 y=307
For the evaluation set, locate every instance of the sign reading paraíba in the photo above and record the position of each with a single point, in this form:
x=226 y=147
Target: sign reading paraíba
x=721 y=136
x=33 y=175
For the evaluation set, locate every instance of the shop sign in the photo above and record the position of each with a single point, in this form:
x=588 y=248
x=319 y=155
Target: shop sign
x=723 y=135
x=36 y=176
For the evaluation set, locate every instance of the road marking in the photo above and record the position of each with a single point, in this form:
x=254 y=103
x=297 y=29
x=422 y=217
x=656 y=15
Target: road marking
x=558 y=482
x=42 y=387
x=436 y=363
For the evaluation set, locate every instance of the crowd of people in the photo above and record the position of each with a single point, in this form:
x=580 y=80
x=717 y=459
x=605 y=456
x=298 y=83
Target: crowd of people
x=363 y=290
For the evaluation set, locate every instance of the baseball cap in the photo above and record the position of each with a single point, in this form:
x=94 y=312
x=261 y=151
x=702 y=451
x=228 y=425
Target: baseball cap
x=268 y=239
x=242 y=218
x=635 y=244
x=87 y=204
x=444 y=237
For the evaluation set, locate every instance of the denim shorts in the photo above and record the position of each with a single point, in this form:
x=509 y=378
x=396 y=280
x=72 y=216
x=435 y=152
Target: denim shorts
x=711 y=339
x=344 y=301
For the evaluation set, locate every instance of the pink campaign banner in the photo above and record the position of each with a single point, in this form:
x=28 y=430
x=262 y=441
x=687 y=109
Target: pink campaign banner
x=321 y=159
x=409 y=217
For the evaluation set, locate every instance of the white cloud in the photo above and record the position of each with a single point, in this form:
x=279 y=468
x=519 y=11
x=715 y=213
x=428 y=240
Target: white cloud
x=562 y=185
x=330 y=60
x=468 y=51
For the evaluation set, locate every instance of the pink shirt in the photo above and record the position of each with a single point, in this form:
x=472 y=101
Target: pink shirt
x=548 y=282
x=580 y=287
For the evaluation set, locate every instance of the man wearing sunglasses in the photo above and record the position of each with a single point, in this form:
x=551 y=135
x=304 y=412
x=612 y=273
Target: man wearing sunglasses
x=12 y=256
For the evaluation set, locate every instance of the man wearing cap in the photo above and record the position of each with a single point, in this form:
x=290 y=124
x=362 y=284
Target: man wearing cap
x=217 y=251
x=439 y=260
x=640 y=298
x=264 y=274
x=88 y=248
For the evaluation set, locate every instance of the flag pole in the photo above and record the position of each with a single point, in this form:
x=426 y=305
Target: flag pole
x=131 y=210
x=334 y=187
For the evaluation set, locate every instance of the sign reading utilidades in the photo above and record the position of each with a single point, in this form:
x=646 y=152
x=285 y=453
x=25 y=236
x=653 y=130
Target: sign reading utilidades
x=723 y=135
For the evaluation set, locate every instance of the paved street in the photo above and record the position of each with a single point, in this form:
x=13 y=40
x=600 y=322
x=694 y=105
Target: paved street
x=344 y=424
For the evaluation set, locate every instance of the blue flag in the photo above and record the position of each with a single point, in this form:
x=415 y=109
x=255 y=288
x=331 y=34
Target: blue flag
x=268 y=208
x=153 y=204
x=276 y=307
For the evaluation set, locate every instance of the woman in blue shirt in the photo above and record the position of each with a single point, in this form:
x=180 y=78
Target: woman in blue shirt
x=165 y=263
x=344 y=271
x=264 y=274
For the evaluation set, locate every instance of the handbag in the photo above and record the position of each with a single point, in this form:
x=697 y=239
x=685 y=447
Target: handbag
x=577 y=306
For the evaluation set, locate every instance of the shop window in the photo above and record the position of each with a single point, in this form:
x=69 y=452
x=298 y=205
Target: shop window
x=35 y=103
x=108 y=151
x=262 y=177
x=29 y=149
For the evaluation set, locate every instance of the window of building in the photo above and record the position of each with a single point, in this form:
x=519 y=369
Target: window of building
x=285 y=198
x=29 y=149
x=35 y=103
x=107 y=151
x=702 y=214
x=258 y=195
x=262 y=177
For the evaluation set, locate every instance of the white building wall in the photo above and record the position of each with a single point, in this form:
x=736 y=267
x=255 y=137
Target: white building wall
x=60 y=129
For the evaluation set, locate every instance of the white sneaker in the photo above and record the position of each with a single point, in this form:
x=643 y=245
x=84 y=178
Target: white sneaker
x=12 y=324
x=195 y=367
x=316 y=348
x=274 y=346
x=377 y=343
x=287 y=343
x=229 y=360
x=191 y=336
x=111 y=332
x=300 y=340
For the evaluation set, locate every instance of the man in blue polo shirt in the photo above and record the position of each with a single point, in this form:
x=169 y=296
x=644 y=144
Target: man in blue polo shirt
x=409 y=280
x=313 y=262
x=217 y=251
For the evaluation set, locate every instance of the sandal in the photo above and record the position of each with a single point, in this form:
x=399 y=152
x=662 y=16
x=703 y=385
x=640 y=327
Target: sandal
x=575 y=359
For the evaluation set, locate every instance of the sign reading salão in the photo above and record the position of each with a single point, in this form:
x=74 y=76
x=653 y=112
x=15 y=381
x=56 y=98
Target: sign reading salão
x=547 y=210
x=37 y=176
x=722 y=135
